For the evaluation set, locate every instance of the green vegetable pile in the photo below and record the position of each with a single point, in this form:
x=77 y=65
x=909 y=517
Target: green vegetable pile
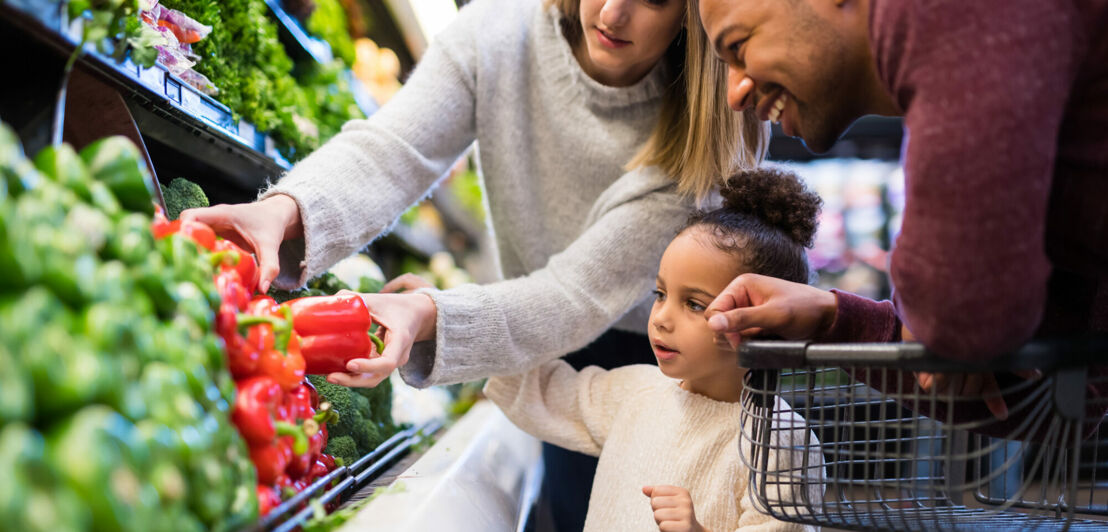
x=114 y=395
x=244 y=58
x=328 y=22
x=182 y=194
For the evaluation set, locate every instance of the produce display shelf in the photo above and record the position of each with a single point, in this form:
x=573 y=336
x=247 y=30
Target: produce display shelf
x=165 y=107
x=293 y=513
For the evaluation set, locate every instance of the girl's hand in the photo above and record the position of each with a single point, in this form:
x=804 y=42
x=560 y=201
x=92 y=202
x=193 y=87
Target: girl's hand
x=673 y=509
x=406 y=319
x=257 y=227
x=754 y=304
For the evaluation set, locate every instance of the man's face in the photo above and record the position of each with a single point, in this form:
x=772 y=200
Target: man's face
x=794 y=61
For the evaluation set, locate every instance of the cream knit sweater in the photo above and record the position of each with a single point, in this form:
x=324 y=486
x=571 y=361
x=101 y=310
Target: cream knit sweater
x=578 y=240
x=647 y=430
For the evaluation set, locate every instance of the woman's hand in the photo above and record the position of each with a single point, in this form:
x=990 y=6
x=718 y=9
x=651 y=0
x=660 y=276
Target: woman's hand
x=406 y=319
x=409 y=282
x=258 y=227
x=673 y=509
x=754 y=304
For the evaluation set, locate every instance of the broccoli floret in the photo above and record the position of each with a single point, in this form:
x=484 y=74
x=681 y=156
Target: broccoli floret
x=354 y=414
x=182 y=194
x=342 y=447
x=380 y=405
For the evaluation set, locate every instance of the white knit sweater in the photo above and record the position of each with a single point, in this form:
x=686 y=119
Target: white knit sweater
x=578 y=240
x=647 y=430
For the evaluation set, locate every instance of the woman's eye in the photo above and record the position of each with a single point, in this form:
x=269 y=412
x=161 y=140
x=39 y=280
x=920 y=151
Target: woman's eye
x=659 y=295
x=695 y=306
x=735 y=49
x=657 y=2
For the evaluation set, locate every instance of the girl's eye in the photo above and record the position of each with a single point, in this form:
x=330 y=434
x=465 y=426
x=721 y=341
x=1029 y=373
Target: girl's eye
x=695 y=306
x=659 y=295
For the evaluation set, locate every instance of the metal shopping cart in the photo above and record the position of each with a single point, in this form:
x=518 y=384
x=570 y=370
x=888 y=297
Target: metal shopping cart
x=895 y=457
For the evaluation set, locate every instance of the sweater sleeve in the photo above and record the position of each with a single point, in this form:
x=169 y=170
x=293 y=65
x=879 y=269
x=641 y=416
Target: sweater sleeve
x=354 y=187
x=565 y=407
x=858 y=319
x=970 y=267
x=513 y=325
x=792 y=477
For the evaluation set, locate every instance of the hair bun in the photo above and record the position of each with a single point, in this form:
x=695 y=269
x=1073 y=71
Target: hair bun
x=778 y=198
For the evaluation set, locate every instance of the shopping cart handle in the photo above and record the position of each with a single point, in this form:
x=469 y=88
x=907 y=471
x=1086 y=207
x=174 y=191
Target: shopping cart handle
x=1037 y=354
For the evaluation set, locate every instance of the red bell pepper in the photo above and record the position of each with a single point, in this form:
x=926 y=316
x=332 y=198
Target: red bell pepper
x=267 y=499
x=329 y=314
x=229 y=256
x=271 y=459
x=231 y=290
x=268 y=330
x=259 y=413
x=333 y=330
x=286 y=368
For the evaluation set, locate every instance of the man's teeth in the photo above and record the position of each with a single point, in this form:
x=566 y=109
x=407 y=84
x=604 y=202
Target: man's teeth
x=778 y=106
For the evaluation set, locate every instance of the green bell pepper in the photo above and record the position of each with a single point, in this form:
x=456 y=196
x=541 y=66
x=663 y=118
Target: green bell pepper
x=68 y=372
x=131 y=240
x=63 y=165
x=99 y=455
x=116 y=162
x=17 y=173
x=31 y=496
x=16 y=390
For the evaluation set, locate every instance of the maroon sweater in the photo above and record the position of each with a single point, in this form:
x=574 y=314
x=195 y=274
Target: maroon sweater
x=1005 y=232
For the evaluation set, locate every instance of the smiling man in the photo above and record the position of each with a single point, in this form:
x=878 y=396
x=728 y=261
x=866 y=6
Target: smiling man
x=1005 y=105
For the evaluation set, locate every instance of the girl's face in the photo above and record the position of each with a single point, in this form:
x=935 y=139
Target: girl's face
x=624 y=39
x=692 y=273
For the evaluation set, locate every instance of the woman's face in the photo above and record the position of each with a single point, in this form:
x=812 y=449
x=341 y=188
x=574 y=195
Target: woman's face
x=692 y=273
x=624 y=39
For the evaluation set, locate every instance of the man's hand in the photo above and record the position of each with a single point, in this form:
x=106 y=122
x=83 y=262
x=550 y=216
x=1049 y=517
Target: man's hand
x=673 y=509
x=971 y=385
x=754 y=304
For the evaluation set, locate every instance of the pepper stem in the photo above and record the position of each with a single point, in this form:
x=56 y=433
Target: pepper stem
x=300 y=440
x=226 y=257
x=377 y=343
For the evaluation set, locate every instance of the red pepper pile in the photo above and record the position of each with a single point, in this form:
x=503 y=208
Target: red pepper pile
x=269 y=348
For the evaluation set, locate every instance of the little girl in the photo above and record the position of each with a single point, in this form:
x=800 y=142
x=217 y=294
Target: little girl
x=668 y=440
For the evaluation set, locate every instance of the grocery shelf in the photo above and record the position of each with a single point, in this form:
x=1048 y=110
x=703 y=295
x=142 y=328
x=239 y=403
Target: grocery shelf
x=293 y=513
x=483 y=472
x=165 y=108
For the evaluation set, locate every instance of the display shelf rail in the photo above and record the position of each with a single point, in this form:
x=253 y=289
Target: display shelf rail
x=165 y=107
x=347 y=480
x=298 y=44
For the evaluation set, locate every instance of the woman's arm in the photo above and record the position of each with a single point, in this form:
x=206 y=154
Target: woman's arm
x=354 y=187
x=565 y=407
x=511 y=326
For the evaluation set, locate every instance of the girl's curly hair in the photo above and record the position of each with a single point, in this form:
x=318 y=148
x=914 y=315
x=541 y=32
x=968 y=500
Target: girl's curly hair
x=767 y=220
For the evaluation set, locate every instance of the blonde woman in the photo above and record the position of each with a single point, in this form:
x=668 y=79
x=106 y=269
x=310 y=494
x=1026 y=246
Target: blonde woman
x=599 y=124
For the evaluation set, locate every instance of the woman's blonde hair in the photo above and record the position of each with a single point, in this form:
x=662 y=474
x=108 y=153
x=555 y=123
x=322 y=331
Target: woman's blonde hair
x=698 y=139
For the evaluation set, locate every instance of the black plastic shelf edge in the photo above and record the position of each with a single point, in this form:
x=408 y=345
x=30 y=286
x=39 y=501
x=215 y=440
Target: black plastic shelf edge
x=353 y=478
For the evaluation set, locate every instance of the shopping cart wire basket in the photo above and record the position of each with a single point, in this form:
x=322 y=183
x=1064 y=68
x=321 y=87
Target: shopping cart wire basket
x=883 y=454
